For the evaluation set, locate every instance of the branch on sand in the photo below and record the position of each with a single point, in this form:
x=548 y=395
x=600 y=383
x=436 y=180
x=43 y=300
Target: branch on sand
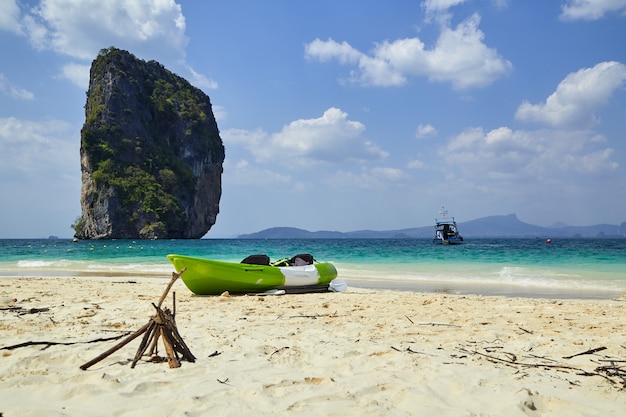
x=48 y=344
x=613 y=373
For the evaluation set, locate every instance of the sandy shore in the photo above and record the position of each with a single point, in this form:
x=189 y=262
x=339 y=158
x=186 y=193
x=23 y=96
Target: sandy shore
x=361 y=352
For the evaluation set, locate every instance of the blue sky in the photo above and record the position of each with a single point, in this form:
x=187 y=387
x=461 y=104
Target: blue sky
x=339 y=115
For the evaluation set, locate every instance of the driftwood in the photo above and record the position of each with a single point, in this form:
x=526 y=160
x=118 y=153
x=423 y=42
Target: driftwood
x=163 y=326
x=587 y=352
x=21 y=310
x=614 y=374
x=48 y=344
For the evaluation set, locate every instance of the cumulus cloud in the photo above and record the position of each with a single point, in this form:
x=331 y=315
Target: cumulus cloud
x=592 y=9
x=425 y=130
x=459 y=57
x=331 y=138
x=80 y=28
x=150 y=29
x=519 y=156
x=577 y=98
x=330 y=149
x=327 y=50
x=9 y=17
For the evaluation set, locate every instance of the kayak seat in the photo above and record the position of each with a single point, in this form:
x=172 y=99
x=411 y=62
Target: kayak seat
x=259 y=259
x=298 y=260
x=302 y=259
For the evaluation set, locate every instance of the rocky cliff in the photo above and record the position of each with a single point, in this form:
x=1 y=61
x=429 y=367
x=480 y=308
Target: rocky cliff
x=151 y=153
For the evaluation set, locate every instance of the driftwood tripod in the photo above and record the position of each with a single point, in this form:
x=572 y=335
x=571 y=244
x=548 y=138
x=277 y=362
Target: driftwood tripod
x=162 y=325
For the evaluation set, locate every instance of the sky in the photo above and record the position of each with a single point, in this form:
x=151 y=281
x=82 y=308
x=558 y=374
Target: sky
x=339 y=115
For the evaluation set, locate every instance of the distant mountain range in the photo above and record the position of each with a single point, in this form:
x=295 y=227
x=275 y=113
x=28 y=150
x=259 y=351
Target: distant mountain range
x=491 y=226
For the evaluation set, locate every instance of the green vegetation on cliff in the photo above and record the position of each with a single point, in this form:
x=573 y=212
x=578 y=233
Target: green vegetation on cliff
x=149 y=137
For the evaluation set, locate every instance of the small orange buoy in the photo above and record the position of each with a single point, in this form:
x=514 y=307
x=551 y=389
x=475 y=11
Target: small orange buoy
x=548 y=240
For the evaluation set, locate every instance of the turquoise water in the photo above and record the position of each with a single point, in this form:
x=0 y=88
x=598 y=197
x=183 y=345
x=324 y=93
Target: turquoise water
x=567 y=267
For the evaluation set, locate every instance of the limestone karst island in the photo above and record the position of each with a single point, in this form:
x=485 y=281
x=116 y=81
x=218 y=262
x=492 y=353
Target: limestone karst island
x=151 y=153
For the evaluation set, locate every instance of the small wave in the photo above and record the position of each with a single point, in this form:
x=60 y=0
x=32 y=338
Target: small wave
x=134 y=268
x=68 y=268
x=38 y=264
x=554 y=279
x=506 y=276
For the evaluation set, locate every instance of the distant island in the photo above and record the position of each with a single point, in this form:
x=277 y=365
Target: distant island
x=491 y=226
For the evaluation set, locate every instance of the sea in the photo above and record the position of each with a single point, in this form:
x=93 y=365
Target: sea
x=525 y=267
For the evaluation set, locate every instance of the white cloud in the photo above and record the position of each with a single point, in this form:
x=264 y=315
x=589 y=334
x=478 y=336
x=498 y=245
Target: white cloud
x=439 y=9
x=424 y=131
x=9 y=17
x=591 y=9
x=500 y=4
x=40 y=171
x=14 y=91
x=150 y=29
x=28 y=148
x=78 y=74
x=331 y=138
x=248 y=139
x=244 y=173
x=327 y=50
x=389 y=174
x=330 y=149
x=459 y=57
x=440 y=5
x=416 y=164
x=21 y=93
x=379 y=178
x=577 y=98
x=80 y=28
x=201 y=81
x=521 y=156
x=219 y=112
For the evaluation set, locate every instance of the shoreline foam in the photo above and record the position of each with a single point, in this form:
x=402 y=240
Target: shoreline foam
x=450 y=285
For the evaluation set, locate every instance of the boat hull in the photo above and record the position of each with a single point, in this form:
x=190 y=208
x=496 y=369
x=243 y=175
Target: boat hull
x=454 y=241
x=210 y=277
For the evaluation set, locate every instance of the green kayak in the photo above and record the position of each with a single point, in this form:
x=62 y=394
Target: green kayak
x=210 y=277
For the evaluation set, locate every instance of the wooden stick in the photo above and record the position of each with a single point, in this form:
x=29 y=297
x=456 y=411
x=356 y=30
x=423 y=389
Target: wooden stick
x=154 y=347
x=144 y=343
x=172 y=358
x=123 y=343
x=48 y=344
x=587 y=352
x=173 y=304
x=175 y=276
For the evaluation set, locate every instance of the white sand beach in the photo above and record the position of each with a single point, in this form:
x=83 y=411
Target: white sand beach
x=356 y=353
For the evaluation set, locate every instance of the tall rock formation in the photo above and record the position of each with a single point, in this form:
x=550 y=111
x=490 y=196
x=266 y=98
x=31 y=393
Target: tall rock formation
x=151 y=153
